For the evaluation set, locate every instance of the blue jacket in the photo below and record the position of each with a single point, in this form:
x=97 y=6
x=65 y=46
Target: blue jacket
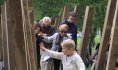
x=54 y=40
x=72 y=29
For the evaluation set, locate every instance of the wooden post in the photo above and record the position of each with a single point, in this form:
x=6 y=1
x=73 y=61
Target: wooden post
x=112 y=55
x=9 y=37
x=33 y=48
x=106 y=34
x=77 y=12
x=19 y=43
x=57 y=22
x=5 y=47
x=85 y=32
x=52 y=20
x=0 y=36
x=65 y=12
x=28 y=35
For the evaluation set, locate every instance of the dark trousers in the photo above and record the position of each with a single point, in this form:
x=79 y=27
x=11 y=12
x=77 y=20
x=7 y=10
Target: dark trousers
x=38 y=57
x=57 y=64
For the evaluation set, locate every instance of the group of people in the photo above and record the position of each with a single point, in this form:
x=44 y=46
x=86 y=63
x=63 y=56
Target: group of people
x=57 y=45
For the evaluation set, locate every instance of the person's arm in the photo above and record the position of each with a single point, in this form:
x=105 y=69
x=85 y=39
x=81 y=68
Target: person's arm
x=48 y=39
x=80 y=64
x=53 y=54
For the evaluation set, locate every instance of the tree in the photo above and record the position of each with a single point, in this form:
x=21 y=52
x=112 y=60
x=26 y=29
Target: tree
x=1 y=2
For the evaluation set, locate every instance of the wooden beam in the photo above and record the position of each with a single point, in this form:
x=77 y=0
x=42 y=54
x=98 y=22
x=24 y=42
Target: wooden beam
x=76 y=21
x=106 y=34
x=9 y=37
x=33 y=48
x=4 y=40
x=19 y=43
x=77 y=12
x=53 y=20
x=0 y=36
x=112 y=57
x=28 y=34
x=85 y=32
x=65 y=12
x=57 y=22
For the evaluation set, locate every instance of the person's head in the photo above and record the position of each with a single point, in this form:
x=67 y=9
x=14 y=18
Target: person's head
x=71 y=17
x=46 y=21
x=63 y=29
x=36 y=28
x=68 y=47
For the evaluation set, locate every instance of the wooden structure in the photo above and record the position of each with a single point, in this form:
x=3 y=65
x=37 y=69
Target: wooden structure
x=19 y=50
x=65 y=12
x=0 y=36
x=85 y=32
x=113 y=50
x=106 y=34
x=17 y=40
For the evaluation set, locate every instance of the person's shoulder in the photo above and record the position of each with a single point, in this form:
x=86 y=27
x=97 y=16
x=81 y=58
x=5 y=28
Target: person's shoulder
x=77 y=56
x=52 y=26
x=55 y=34
x=64 y=21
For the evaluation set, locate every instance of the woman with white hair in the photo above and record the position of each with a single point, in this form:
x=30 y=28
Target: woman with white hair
x=44 y=27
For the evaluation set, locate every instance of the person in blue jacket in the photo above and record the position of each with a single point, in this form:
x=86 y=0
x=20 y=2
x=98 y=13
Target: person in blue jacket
x=72 y=27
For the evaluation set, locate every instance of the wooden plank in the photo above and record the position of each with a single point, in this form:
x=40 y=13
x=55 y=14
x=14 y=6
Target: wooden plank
x=28 y=34
x=9 y=37
x=4 y=40
x=52 y=20
x=57 y=22
x=65 y=12
x=0 y=36
x=106 y=34
x=25 y=30
x=19 y=43
x=76 y=21
x=77 y=12
x=112 y=57
x=85 y=32
x=33 y=48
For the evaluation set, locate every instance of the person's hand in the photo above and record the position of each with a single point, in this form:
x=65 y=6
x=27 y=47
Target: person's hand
x=36 y=31
x=94 y=60
x=41 y=34
x=42 y=46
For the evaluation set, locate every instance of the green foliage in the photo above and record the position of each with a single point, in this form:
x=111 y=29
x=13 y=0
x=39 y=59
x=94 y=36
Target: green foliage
x=1 y=2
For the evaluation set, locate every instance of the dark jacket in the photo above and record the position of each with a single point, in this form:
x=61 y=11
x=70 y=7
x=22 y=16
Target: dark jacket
x=72 y=29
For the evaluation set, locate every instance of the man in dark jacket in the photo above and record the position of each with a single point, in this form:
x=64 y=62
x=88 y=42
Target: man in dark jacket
x=45 y=27
x=72 y=27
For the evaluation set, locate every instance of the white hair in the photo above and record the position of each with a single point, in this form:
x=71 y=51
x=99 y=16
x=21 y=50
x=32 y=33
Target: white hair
x=46 y=18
